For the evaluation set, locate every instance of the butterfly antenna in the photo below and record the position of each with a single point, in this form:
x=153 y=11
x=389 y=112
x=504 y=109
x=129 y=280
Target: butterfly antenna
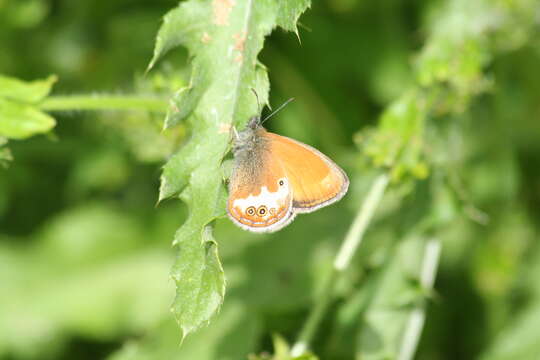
x=258 y=102
x=275 y=111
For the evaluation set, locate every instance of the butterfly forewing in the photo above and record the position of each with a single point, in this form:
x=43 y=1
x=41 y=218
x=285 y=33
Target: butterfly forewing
x=316 y=181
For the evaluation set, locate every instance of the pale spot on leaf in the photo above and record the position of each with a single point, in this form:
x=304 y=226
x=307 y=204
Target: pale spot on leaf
x=173 y=107
x=206 y=38
x=240 y=39
x=239 y=58
x=224 y=128
x=222 y=9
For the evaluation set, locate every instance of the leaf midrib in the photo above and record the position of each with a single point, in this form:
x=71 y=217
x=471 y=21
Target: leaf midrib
x=245 y=30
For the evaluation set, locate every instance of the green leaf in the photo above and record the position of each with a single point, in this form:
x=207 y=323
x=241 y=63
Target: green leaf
x=200 y=282
x=26 y=91
x=19 y=118
x=282 y=351
x=188 y=97
x=20 y=121
x=289 y=12
x=223 y=38
x=398 y=142
x=185 y=26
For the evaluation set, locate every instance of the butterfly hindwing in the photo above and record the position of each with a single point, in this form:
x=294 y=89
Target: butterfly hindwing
x=260 y=197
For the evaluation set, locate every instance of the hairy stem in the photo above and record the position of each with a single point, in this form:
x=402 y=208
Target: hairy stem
x=103 y=102
x=343 y=258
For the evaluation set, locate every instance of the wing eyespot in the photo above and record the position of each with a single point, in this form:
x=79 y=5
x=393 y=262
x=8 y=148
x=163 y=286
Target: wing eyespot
x=262 y=210
x=250 y=211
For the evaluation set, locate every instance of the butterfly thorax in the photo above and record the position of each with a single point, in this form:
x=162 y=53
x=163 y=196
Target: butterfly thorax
x=250 y=140
x=250 y=149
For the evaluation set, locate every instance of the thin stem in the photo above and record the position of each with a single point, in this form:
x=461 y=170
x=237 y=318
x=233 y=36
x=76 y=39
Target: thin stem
x=315 y=317
x=343 y=258
x=356 y=232
x=103 y=102
x=416 y=321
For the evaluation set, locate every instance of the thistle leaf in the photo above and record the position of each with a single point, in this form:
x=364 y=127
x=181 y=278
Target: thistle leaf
x=23 y=91
x=19 y=116
x=20 y=121
x=223 y=38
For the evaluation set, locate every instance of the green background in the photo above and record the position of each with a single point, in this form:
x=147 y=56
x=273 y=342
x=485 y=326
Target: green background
x=85 y=253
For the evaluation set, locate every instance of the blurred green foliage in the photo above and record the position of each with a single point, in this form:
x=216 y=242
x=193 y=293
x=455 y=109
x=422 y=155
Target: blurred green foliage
x=442 y=95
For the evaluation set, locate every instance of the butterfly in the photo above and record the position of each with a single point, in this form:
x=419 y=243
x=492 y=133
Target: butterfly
x=275 y=177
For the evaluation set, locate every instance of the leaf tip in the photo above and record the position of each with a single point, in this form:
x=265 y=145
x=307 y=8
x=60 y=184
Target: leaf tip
x=158 y=202
x=184 y=332
x=52 y=79
x=297 y=33
x=164 y=192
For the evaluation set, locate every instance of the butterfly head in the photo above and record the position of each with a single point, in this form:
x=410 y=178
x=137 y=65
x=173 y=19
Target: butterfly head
x=248 y=140
x=254 y=122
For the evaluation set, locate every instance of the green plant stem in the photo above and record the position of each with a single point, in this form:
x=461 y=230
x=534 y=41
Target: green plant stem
x=103 y=102
x=417 y=318
x=343 y=258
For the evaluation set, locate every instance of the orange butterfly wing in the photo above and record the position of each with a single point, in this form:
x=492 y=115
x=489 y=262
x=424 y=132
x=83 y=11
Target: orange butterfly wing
x=260 y=197
x=316 y=180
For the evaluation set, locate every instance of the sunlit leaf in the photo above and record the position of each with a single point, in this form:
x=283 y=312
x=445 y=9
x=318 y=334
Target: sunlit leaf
x=282 y=351
x=25 y=91
x=200 y=282
x=20 y=121
x=19 y=116
x=224 y=38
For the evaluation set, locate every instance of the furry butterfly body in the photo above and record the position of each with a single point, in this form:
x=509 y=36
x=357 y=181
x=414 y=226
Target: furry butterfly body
x=275 y=177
